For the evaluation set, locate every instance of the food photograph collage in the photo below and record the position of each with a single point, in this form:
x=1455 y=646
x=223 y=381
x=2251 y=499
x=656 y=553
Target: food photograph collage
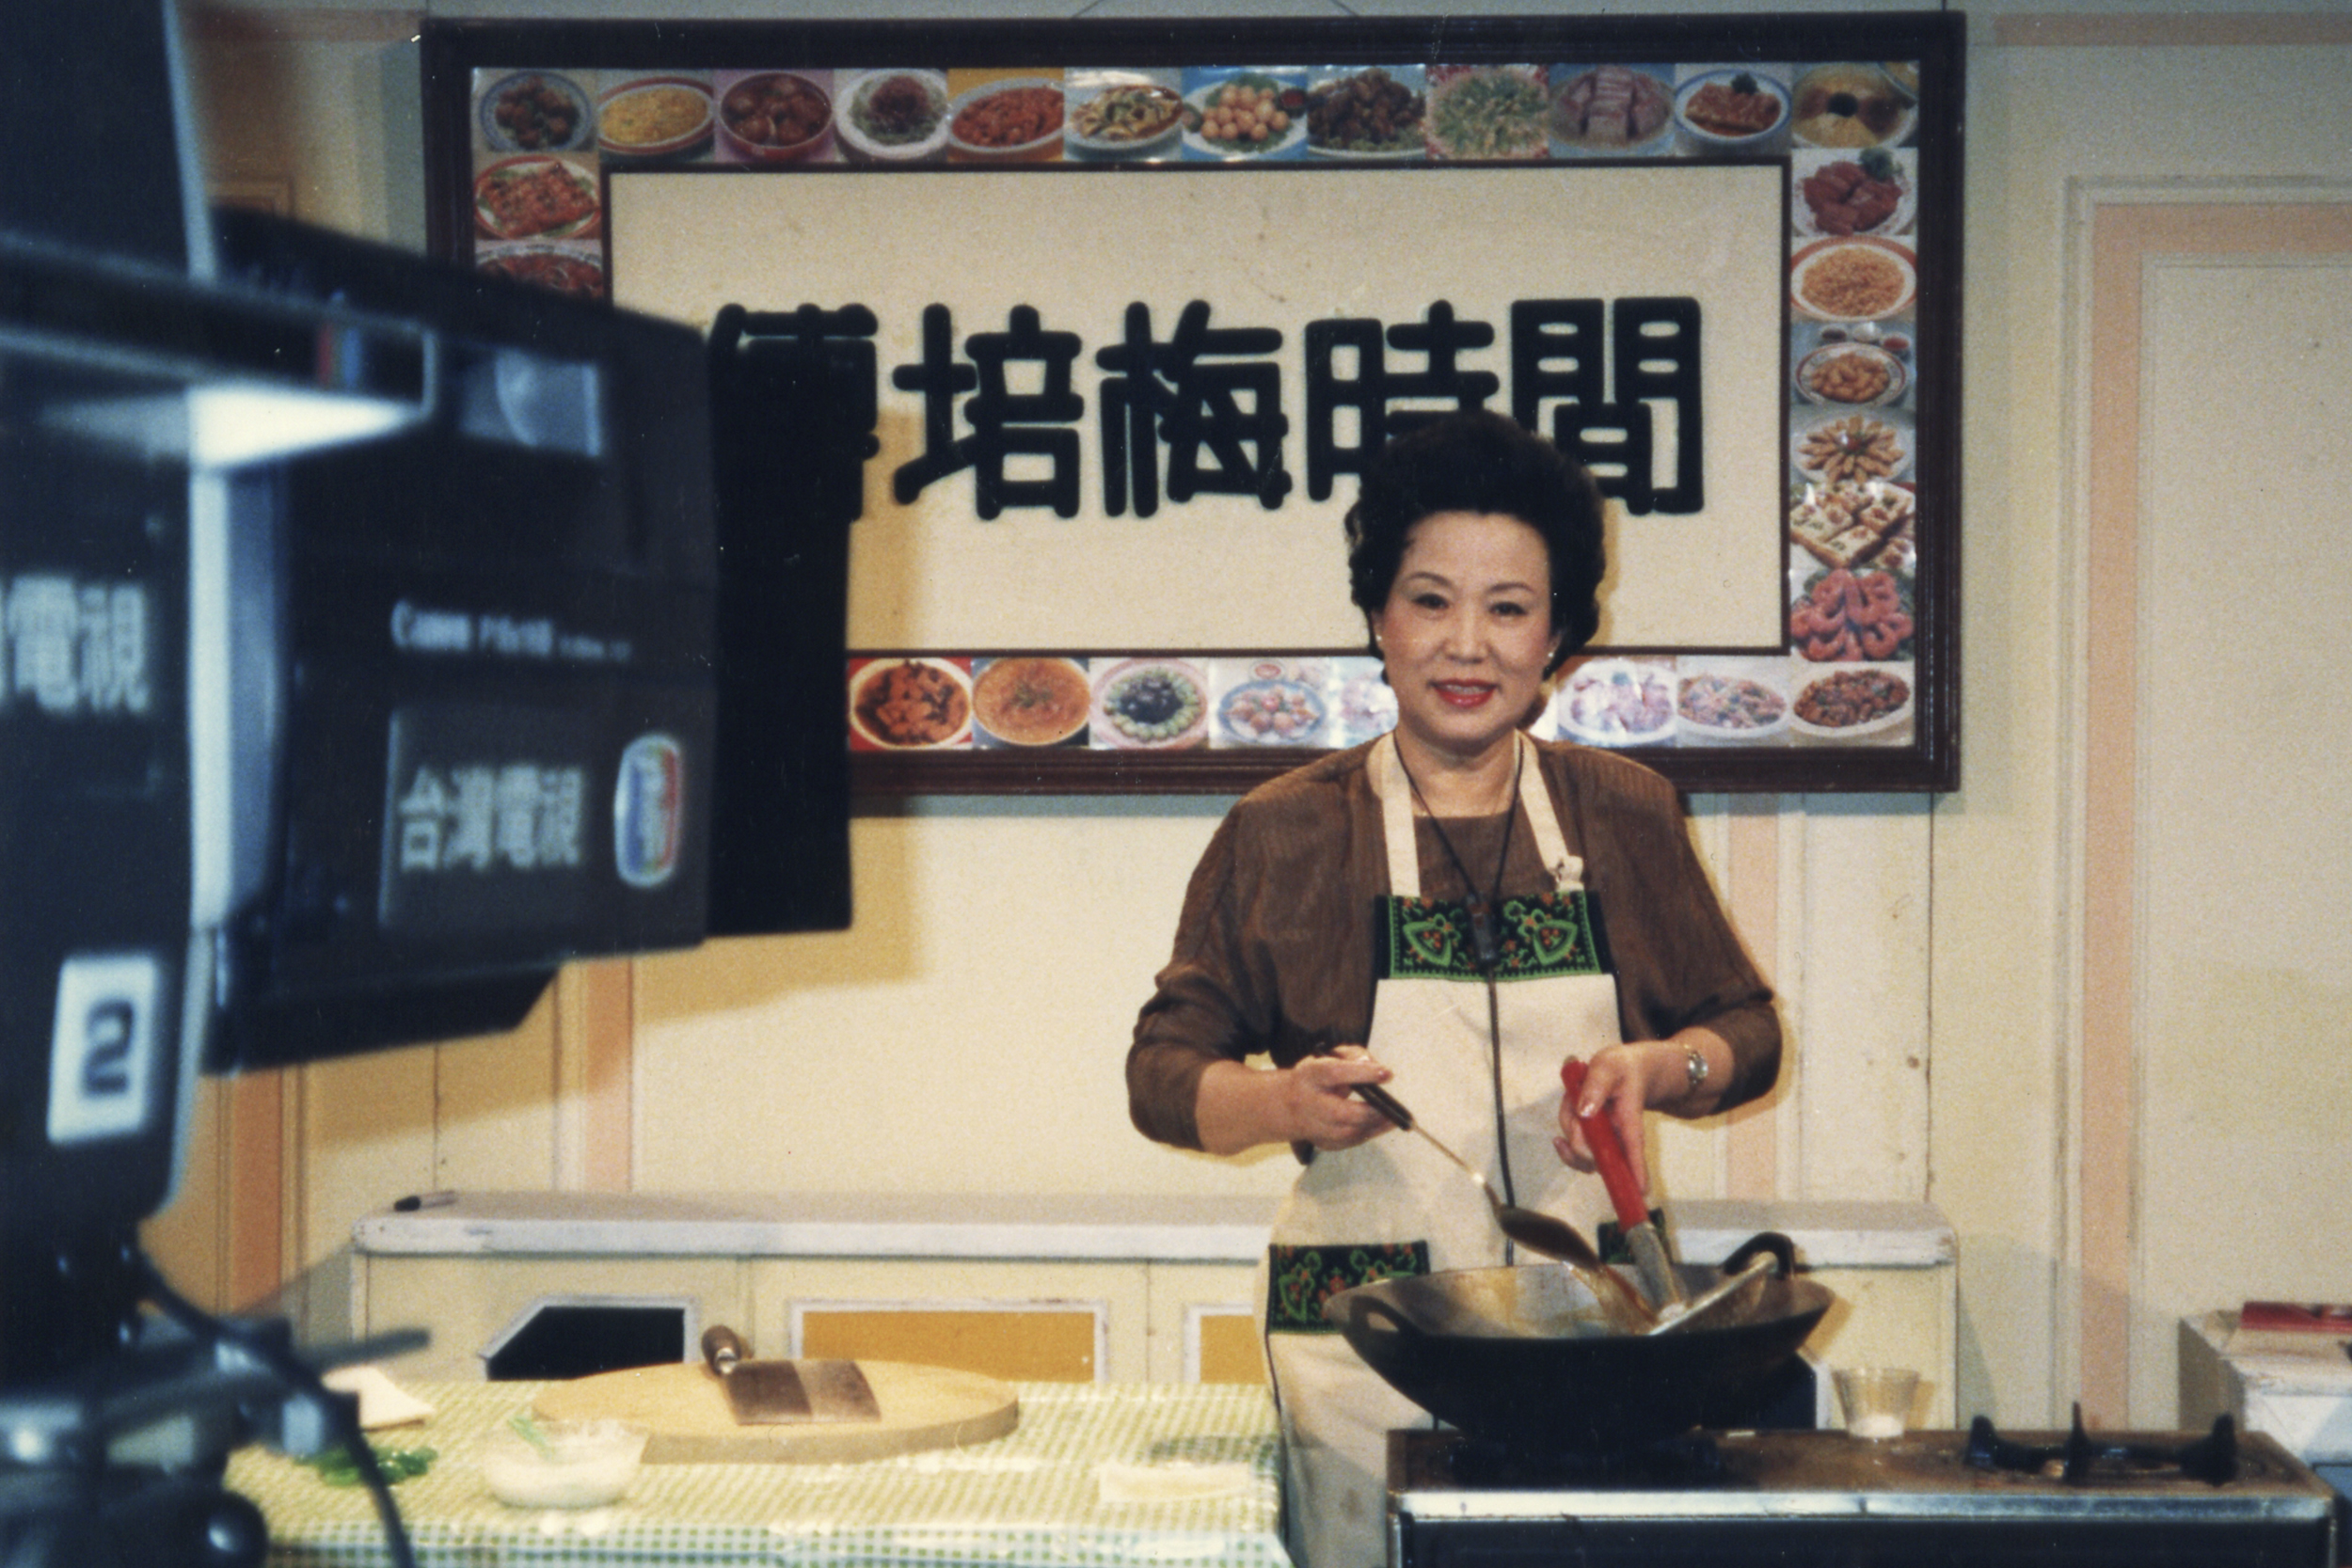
x=1847 y=129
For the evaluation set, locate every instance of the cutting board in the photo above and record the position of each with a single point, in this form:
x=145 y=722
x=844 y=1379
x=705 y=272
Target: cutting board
x=686 y=1411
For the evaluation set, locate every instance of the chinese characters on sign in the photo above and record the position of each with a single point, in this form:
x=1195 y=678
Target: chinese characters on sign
x=70 y=647
x=475 y=815
x=1208 y=402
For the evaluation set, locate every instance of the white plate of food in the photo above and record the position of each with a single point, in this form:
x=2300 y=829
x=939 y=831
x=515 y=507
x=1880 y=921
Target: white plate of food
x=1030 y=701
x=535 y=111
x=1488 y=114
x=1732 y=111
x=1850 y=106
x=1838 y=194
x=1854 y=448
x=533 y=198
x=1010 y=118
x=1151 y=705
x=1124 y=119
x=1723 y=706
x=1853 y=701
x=893 y=116
x=1859 y=279
x=1375 y=113
x=1616 y=702
x=1849 y=523
x=1613 y=109
x=1852 y=375
x=654 y=117
x=1271 y=711
x=911 y=703
x=1247 y=115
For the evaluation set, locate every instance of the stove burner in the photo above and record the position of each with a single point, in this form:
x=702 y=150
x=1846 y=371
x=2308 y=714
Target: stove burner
x=1475 y=1462
x=2211 y=1459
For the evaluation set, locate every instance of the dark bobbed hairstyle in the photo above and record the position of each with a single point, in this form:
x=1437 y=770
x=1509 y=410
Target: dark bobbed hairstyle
x=1481 y=462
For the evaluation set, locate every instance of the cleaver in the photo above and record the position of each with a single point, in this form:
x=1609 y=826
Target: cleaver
x=772 y=1393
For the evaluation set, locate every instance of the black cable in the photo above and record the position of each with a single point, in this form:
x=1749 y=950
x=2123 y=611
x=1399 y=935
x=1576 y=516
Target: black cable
x=291 y=1370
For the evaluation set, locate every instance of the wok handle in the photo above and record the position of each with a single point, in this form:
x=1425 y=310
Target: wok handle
x=1783 y=1250
x=1616 y=1172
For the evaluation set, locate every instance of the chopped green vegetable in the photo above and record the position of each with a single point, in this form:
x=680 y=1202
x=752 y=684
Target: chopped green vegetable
x=337 y=1467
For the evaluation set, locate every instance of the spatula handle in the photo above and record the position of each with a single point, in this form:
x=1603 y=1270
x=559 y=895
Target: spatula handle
x=1617 y=1171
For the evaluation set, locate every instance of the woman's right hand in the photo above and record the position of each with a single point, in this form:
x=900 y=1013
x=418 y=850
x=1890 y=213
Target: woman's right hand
x=1313 y=1103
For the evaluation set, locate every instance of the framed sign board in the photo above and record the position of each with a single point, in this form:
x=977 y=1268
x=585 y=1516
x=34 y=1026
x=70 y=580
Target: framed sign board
x=1131 y=305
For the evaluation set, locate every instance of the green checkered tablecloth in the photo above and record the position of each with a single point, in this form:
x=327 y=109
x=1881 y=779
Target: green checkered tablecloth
x=1049 y=1493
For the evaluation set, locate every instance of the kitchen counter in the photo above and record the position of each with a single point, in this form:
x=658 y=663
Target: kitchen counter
x=1048 y=1493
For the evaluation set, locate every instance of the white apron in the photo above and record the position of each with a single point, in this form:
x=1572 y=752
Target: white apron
x=1395 y=1205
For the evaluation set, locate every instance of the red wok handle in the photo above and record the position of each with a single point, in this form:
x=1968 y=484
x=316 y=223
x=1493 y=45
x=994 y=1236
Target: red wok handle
x=1616 y=1172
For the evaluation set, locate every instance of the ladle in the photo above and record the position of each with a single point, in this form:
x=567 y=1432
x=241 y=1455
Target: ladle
x=1534 y=1231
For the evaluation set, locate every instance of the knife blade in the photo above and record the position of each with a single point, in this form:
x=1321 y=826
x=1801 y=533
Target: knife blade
x=773 y=1393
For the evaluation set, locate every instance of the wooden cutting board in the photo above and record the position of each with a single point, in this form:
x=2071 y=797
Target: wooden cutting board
x=686 y=1410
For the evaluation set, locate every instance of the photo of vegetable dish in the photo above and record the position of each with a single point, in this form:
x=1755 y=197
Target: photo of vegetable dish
x=1154 y=703
x=1487 y=113
x=1127 y=116
x=1731 y=704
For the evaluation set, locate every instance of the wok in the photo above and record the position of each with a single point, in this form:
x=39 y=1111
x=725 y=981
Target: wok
x=1527 y=1356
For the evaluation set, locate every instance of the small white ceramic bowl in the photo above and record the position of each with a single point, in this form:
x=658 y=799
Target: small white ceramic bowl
x=576 y=1464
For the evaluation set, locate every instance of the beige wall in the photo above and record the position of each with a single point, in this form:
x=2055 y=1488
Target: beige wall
x=967 y=1036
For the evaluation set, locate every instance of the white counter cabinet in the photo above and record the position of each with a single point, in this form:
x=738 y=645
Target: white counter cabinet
x=1102 y=1289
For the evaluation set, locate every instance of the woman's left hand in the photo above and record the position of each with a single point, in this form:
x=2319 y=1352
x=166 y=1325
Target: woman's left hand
x=1624 y=1081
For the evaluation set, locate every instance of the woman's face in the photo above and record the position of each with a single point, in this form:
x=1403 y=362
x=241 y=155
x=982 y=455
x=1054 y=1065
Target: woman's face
x=1466 y=630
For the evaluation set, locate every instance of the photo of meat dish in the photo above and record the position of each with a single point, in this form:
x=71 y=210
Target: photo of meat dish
x=909 y=702
x=576 y=276
x=536 y=113
x=1854 y=196
x=775 y=112
x=1850 y=699
x=1848 y=616
x=534 y=197
x=1734 y=108
x=1370 y=113
x=1009 y=118
x=1612 y=107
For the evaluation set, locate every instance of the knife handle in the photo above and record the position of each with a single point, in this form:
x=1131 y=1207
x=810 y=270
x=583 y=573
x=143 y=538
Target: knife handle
x=722 y=1349
x=1617 y=1171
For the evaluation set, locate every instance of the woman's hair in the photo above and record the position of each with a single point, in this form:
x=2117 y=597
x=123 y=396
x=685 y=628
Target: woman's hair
x=1481 y=462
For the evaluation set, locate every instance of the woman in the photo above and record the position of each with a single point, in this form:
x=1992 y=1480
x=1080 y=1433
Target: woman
x=1452 y=910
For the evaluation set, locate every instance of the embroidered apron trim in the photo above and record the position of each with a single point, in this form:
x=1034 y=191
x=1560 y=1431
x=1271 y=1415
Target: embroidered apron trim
x=1299 y=1279
x=1543 y=935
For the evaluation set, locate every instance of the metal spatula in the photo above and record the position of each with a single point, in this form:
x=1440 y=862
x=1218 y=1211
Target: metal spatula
x=769 y=1393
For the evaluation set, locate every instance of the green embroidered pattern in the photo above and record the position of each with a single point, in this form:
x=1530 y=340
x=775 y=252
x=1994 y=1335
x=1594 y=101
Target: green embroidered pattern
x=1544 y=935
x=1301 y=1279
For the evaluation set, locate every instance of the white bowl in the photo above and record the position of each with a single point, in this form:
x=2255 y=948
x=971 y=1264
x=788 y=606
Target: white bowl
x=576 y=1464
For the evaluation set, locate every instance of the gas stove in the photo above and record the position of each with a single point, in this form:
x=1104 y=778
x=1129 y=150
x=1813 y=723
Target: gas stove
x=1929 y=1499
